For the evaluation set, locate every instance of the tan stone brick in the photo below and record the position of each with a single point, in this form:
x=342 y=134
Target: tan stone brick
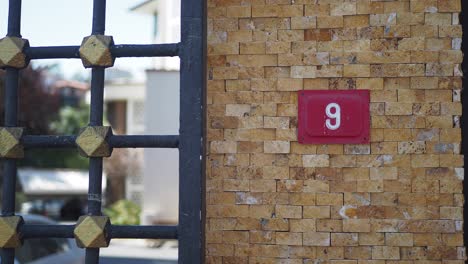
x=278 y=47
x=412 y=147
x=439 y=19
x=383 y=19
x=397 y=7
x=239 y=11
x=344 y=239
x=399 y=239
x=424 y=6
x=314 y=9
x=384 y=252
x=223 y=147
x=288 y=238
x=277 y=147
x=449 y=6
x=453 y=31
x=239 y=36
x=266 y=237
x=265 y=10
x=329 y=199
x=398 y=108
x=316 y=160
x=374 y=239
x=330 y=22
x=452 y=239
x=252 y=60
x=303 y=225
x=356 y=225
x=302 y=198
x=290 y=11
x=384 y=173
x=307 y=22
x=275 y=172
x=286 y=84
x=252 y=48
x=316 y=212
x=316 y=58
x=303 y=72
x=291 y=35
x=356 y=70
x=356 y=21
x=342 y=9
x=452 y=213
x=261 y=186
x=369 y=83
x=261 y=211
x=316 y=239
x=288 y=211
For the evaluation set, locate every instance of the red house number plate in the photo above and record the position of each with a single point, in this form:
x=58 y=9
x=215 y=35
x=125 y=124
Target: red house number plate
x=334 y=117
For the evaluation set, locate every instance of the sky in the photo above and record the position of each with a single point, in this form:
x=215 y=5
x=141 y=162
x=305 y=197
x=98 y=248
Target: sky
x=66 y=22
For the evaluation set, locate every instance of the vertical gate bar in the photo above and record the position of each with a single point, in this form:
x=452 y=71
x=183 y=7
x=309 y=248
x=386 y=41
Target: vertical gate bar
x=99 y=17
x=14 y=18
x=92 y=255
x=11 y=114
x=190 y=146
x=95 y=186
x=10 y=166
x=97 y=97
x=8 y=256
x=11 y=97
x=95 y=164
x=96 y=119
x=8 y=188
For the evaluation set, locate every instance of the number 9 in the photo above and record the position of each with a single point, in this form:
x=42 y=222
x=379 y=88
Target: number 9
x=336 y=116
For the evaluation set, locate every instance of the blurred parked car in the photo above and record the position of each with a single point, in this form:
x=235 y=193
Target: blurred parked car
x=48 y=250
x=50 y=208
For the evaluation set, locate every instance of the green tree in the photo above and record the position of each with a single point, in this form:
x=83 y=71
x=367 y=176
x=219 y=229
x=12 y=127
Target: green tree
x=69 y=122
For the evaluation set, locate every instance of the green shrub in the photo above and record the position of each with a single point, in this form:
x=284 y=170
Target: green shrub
x=124 y=212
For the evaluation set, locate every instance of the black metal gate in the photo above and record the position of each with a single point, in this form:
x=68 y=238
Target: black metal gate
x=96 y=141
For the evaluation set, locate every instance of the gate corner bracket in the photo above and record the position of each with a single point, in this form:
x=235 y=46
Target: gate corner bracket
x=92 y=231
x=95 y=51
x=10 y=142
x=12 y=53
x=92 y=141
x=10 y=236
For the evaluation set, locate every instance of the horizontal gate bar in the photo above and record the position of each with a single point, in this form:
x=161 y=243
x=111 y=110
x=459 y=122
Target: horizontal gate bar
x=142 y=232
x=144 y=141
x=153 y=50
x=115 y=141
x=119 y=51
x=30 y=141
x=59 y=52
x=39 y=231
x=115 y=231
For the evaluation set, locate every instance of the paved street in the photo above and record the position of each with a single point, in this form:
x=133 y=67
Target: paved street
x=137 y=252
x=110 y=260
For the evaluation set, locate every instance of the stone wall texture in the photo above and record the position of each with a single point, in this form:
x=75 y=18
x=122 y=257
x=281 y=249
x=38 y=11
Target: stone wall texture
x=396 y=200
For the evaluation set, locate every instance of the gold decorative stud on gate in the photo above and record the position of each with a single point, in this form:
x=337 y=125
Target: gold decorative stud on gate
x=95 y=51
x=12 y=52
x=10 y=145
x=9 y=235
x=91 y=232
x=92 y=141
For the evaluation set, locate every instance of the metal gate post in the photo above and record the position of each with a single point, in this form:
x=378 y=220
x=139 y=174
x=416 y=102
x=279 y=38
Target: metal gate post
x=192 y=75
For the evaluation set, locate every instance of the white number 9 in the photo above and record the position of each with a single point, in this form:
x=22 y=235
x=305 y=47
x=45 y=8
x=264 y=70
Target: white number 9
x=336 y=116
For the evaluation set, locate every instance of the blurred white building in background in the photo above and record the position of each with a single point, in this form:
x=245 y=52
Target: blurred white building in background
x=160 y=179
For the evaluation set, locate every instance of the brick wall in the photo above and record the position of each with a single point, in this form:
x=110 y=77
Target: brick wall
x=396 y=200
